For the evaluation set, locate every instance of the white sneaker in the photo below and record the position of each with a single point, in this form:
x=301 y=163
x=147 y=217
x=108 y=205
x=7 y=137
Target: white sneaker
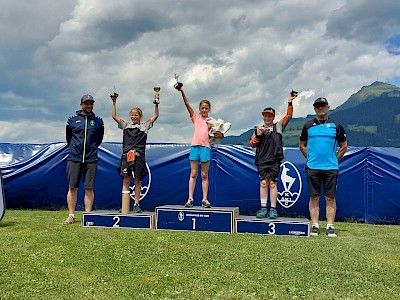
x=69 y=220
x=330 y=231
x=314 y=231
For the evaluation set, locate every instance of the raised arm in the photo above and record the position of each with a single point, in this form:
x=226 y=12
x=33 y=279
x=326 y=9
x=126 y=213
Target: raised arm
x=289 y=112
x=114 y=109
x=156 y=113
x=186 y=102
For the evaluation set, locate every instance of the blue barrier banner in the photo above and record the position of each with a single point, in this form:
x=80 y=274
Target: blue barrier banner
x=34 y=176
x=2 y=199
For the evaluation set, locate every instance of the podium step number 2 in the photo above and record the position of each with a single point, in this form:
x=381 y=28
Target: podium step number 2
x=111 y=219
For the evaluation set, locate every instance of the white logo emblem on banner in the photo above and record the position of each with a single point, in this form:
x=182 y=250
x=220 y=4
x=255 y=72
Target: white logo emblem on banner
x=181 y=216
x=146 y=183
x=290 y=181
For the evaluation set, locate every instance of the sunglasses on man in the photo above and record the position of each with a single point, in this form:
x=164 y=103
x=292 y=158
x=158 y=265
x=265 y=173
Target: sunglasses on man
x=319 y=105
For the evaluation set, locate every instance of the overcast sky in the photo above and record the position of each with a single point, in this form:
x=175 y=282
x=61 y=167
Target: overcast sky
x=241 y=55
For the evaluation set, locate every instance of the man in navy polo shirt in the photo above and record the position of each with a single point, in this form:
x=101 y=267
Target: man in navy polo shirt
x=84 y=134
x=323 y=143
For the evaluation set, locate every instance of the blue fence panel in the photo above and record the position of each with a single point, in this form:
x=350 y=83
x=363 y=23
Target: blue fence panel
x=369 y=180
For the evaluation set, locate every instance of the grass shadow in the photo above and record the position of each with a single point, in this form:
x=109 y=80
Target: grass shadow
x=7 y=224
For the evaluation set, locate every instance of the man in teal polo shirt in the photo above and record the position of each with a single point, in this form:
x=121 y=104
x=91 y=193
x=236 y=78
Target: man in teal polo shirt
x=323 y=143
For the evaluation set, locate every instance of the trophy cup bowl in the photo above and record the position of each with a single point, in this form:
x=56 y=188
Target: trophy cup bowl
x=178 y=84
x=156 y=95
x=115 y=95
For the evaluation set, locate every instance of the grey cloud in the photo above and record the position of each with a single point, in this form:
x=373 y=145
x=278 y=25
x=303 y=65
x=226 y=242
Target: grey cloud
x=241 y=55
x=367 y=21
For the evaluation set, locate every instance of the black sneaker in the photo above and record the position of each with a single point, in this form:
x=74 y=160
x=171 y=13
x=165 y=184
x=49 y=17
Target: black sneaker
x=330 y=231
x=314 y=231
x=137 y=209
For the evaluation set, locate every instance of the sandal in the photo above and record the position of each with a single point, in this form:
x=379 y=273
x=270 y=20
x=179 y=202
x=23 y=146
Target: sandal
x=189 y=203
x=205 y=203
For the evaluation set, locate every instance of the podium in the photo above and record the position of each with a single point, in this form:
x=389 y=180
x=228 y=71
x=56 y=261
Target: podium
x=279 y=226
x=111 y=219
x=196 y=218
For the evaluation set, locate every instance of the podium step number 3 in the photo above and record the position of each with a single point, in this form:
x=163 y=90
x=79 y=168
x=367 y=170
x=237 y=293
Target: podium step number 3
x=280 y=226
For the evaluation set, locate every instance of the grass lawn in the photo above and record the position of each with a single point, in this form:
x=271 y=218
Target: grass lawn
x=42 y=259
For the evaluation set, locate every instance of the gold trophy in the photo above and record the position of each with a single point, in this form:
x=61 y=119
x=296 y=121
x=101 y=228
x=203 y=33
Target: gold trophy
x=157 y=95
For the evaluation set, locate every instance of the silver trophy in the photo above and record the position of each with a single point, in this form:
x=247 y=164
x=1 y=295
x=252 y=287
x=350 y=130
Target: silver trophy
x=157 y=95
x=178 y=84
x=115 y=95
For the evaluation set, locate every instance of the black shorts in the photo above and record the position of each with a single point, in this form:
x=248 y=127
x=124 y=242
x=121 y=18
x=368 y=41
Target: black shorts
x=328 y=179
x=137 y=167
x=76 y=170
x=269 y=171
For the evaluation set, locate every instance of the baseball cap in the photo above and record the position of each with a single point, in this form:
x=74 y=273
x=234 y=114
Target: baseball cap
x=87 y=97
x=320 y=101
x=268 y=110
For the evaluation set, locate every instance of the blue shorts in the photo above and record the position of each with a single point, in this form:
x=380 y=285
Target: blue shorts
x=200 y=153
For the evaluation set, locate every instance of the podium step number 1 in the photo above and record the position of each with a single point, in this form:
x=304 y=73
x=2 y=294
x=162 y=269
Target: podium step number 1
x=196 y=218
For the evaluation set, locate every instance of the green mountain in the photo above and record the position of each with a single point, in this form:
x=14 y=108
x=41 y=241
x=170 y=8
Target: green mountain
x=371 y=117
x=368 y=93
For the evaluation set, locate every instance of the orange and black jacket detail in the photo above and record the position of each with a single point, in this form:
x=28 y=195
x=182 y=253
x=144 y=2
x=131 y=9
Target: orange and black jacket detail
x=269 y=145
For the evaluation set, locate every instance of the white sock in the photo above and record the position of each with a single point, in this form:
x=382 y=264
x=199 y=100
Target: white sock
x=263 y=202
x=315 y=225
x=329 y=226
x=72 y=215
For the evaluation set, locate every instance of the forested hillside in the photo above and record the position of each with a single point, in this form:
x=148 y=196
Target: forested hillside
x=371 y=117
